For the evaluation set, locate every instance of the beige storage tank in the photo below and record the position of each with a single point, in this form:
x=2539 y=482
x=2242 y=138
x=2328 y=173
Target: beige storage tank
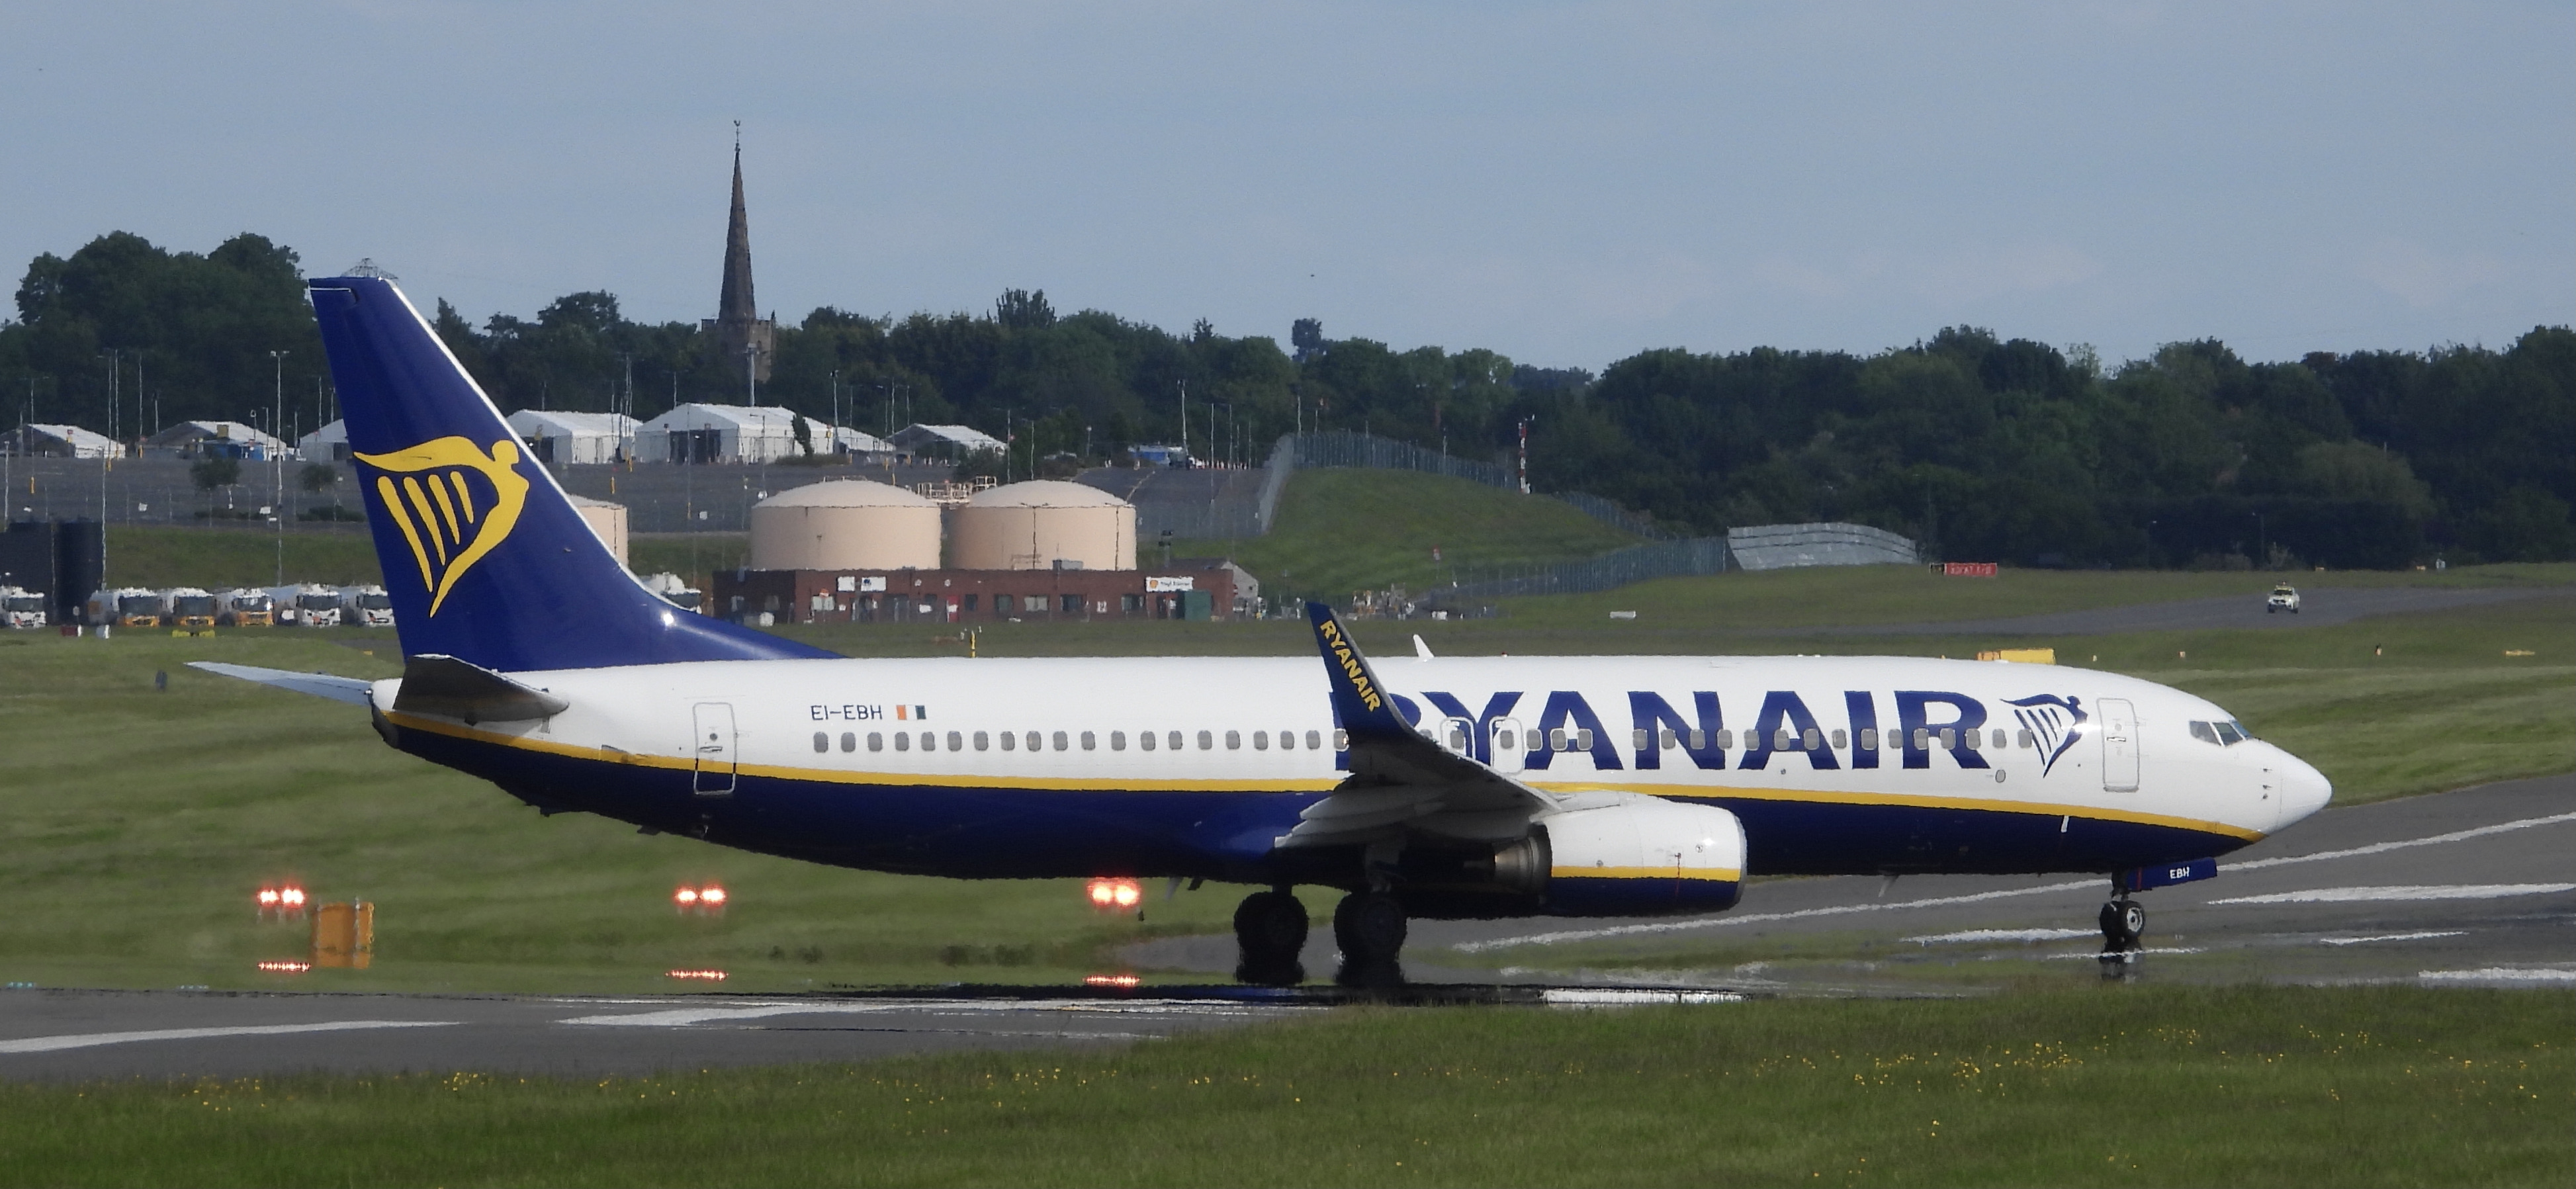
x=845 y=524
x=1040 y=524
x=606 y=519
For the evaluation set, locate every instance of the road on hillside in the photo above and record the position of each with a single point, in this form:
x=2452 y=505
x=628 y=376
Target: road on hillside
x=2325 y=607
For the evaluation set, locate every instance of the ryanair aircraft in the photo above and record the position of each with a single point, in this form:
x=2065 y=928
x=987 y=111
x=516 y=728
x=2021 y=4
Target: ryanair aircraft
x=1429 y=787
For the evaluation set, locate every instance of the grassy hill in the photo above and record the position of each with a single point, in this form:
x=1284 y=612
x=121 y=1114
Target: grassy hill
x=1344 y=530
x=217 y=558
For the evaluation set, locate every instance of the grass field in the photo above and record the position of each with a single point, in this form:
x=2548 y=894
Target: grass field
x=342 y=555
x=1319 y=548
x=2108 y=1085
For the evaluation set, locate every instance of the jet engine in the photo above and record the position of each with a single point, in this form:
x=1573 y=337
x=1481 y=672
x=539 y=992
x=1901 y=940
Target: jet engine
x=1631 y=856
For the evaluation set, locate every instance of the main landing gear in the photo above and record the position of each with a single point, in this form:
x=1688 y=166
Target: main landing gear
x=1270 y=929
x=2124 y=931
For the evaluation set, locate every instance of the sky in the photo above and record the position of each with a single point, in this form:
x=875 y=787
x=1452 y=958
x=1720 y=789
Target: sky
x=1567 y=184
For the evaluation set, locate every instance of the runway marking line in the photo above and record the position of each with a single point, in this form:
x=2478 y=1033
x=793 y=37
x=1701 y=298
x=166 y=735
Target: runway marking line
x=1565 y=935
x=2426 y=935
x=51 y=1044
x=2479 y=891
x=1972 y=936
x=686 y=1016
x=2498 y=974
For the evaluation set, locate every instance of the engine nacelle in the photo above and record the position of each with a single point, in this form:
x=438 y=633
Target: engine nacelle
x=1640 y=857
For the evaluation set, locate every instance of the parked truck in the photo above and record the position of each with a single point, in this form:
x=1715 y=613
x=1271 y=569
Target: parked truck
x=22 y=609
x=305 y=606
x=676 y=592
x=191 y=608
x=128 y=607
x=366 y=606
x=248 y=608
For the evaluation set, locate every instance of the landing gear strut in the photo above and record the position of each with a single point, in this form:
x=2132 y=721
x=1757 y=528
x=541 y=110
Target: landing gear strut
x=1369 y=928
x=2124 y=930
x=1269 y=929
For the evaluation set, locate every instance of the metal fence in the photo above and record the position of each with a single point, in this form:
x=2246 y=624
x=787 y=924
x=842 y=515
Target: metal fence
x=1637 y=563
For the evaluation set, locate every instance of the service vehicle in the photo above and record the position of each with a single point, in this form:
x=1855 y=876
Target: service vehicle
x=23 y=609
x=307 y=605
x=2283 y=598
x=366 y=607
x=248 y=608
x=128 y=607
x=192 y=608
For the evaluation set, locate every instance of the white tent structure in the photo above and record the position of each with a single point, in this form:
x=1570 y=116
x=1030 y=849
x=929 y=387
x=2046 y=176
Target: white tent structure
x=67 y=441
x=327 y=444
x=231 y=439
x=736 y=433
x=944 y=441
x=576 y=439
x=850 y=441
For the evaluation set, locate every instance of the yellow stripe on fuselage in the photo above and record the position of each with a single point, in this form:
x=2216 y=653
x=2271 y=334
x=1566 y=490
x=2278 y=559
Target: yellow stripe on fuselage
x=1712 y=874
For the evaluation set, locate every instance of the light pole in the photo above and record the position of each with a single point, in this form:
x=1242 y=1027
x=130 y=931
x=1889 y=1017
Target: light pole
x=277 y=467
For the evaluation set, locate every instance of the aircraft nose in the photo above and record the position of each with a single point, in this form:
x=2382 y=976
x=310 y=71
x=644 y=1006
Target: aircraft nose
x=2304 y=790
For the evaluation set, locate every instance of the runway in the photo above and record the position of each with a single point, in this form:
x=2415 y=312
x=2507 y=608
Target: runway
x=2469 y=888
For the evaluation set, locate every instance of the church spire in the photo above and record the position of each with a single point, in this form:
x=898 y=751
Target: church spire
x=745 y=338
x=736 y=305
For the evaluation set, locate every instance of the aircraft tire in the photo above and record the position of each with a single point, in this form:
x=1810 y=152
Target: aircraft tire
x=1369 y=927
x=2133 y=922
x=1269 y=930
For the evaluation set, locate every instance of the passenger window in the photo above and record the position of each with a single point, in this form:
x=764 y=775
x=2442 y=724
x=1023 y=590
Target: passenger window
x=1036 y=742
x=1090 y=742
x=1145 y=739
x=1207 y=741
x=1061 y=743
x=956 y=742
x=1556 y=740
x=1533 y=740
x=930 y=741
x=2204 y=732
x=983 y=741
x=1782 y=740
x=2025 y=739
x=1261 y=741
x=902 y=740
x=1949 y=739
x=849 y=741
x=1637 y=738
x=1726 y=739
x=1971 y=739
x=1838 y=739
x=1868 y=739
x=2000 y=740
x=1668 y=739
x=1234 y=740
x=1922 y=739
x=822 y=741
x=1173 y=740
x=1287 y=740
x=1342 y=739
x=1117 y=740
x=1314 y=741
x=1010 y=740
x=876 y=742
x=1811 y=738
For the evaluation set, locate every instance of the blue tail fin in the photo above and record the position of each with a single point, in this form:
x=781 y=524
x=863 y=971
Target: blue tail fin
x=485 y=559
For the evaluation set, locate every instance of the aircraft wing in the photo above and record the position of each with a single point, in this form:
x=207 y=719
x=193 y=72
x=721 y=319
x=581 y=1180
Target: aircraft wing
x=1401 y=779
x=321 y=685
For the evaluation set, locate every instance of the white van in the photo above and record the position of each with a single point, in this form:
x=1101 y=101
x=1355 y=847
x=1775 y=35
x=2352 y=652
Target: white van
x=22 y=609
x=366 y=607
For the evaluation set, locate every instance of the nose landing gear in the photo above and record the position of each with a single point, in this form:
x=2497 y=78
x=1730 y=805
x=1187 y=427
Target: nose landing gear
x=2124 y=930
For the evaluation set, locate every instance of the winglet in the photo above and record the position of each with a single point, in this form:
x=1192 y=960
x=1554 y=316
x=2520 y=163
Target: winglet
x=1358 y=699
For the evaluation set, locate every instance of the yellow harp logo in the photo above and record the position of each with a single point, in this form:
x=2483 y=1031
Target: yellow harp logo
x=453 y=503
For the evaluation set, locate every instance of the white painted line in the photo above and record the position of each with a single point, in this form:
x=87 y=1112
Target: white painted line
x=2475 y=891
x=2498 y=974
x=1471 y=947
x=1974 y=936
x=51 y=1044
x=686 y=1016
x=2378 y=848
x=1628 y=997
x=2177 y=949
x=2424 y=936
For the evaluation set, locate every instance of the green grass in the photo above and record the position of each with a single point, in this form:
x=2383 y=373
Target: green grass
x=2108 y=1085
x=220 y=558
x=1343 y=530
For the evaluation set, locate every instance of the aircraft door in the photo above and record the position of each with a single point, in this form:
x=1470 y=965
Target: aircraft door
x=712 y=747
x=2119 y=745
x=1505 y=737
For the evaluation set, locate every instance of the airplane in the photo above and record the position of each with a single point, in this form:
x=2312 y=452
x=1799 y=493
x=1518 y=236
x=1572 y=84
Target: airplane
x=1424 y=787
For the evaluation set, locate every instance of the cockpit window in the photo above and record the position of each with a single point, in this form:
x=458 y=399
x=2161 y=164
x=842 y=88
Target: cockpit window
x=2225 y=732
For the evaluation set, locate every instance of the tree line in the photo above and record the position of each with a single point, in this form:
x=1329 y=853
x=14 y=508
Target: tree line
x=1980 y=447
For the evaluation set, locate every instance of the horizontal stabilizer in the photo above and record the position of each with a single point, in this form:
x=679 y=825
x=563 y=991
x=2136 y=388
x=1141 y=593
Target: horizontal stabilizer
x=321 y=685
x=450 y=688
